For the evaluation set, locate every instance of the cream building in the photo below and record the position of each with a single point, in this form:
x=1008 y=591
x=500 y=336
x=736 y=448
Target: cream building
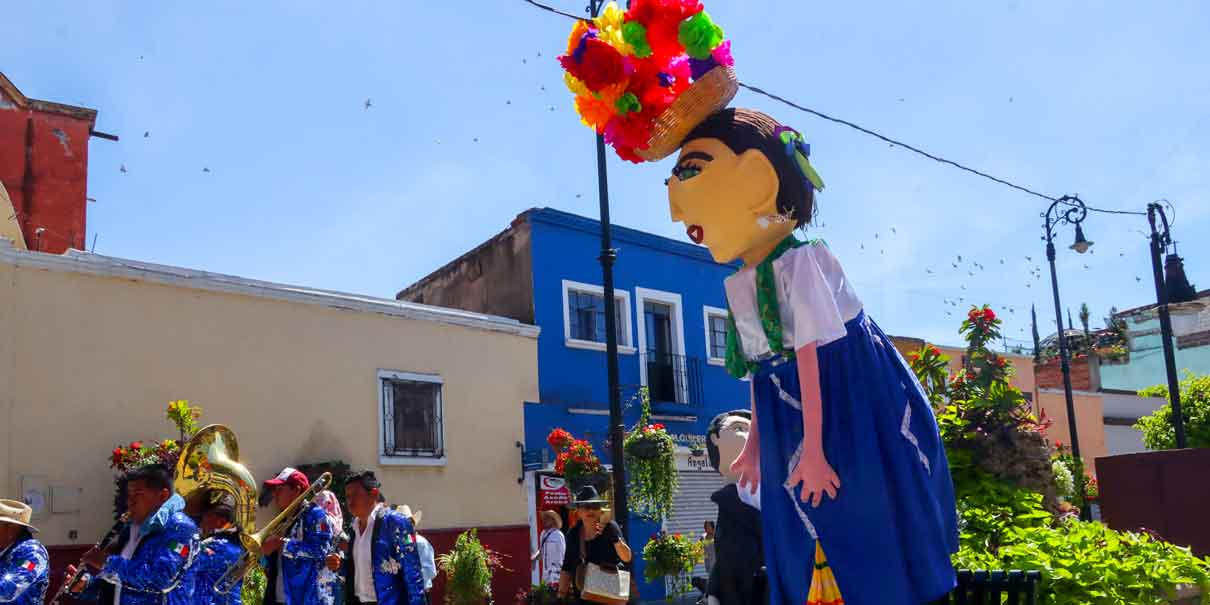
x=92 y=349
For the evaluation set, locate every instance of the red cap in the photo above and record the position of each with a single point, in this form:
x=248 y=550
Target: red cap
x=289 y=476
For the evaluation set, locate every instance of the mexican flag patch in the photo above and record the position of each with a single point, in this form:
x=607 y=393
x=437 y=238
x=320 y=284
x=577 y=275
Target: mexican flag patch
x=30 y=566
x=180 y=549
x=409 y=539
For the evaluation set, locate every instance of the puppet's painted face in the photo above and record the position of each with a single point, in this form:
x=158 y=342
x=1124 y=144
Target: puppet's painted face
x=727 y=201
x=732 y=437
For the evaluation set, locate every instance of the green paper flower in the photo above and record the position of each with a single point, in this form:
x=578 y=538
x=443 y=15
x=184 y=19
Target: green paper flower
x=628 y=103
x=699 y=35
x=635 y=34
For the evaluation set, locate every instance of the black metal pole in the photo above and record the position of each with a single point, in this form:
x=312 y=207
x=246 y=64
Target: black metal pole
x=1158 y=244
x=621 y=508
x=1073 y=215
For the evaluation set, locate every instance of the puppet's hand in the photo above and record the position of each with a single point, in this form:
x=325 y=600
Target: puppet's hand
x=816 y=476
x=747 y=468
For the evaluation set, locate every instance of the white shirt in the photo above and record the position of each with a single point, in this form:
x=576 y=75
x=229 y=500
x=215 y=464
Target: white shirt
x=814 y=298
x=363 y=559
x=428 y=561
x=132 y=543
x=554 y=547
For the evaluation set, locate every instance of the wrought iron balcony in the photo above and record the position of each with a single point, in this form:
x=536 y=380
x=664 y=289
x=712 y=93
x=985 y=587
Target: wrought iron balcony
x=673 y=378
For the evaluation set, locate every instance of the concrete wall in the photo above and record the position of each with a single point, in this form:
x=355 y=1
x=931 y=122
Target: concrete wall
x=1090 y=425
x=1145 y=366
x=495 y=277
x=90 y=361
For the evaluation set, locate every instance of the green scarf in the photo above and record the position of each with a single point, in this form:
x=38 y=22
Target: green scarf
x=770 y=315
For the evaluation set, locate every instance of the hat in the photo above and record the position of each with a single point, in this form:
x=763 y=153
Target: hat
x=17 y=513
x=406 y=511
x=588 y=496
x=289 y=476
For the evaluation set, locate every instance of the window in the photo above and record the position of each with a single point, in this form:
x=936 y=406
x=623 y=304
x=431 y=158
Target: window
x=669 y=375
x=716 y=335
x=584 y=317
x=411 y=414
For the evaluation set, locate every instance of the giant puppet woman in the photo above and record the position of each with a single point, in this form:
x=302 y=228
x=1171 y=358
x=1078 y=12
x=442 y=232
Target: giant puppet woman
x=844 y=447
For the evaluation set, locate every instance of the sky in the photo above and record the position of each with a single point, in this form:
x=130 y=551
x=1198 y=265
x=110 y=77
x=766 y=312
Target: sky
x=469 y=124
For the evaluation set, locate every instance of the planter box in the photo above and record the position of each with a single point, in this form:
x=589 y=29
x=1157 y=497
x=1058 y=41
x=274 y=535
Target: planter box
x=1162 y=491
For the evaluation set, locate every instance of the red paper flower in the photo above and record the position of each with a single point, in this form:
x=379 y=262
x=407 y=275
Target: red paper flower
x=596 y=64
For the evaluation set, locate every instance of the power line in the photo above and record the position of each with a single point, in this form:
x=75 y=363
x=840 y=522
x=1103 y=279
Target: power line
x=882 y=137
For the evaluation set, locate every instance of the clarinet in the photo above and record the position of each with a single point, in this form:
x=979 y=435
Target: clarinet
x=117 y=528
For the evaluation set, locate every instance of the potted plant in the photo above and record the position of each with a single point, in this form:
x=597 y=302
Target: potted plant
x=672 y=556
x=577 y=462
x=468 y=570
x=651 y=464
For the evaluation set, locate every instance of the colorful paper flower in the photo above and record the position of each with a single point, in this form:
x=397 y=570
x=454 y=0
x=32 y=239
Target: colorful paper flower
x=699 y=35
x=595 y=63
x=609 y=28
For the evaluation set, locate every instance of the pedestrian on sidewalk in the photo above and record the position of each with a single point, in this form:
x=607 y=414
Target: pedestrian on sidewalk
x=552 y=546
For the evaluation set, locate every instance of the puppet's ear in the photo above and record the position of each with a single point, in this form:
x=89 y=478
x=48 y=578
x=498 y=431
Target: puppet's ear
x=760 y=180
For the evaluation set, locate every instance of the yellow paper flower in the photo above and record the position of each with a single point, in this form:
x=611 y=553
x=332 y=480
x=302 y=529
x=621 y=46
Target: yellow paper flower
x=609 y=28
x=574 y=84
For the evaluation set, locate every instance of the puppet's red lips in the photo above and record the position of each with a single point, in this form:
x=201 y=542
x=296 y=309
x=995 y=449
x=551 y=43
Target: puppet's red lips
x=695 y=233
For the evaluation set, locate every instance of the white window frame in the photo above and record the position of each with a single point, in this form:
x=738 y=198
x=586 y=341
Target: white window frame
x=397 y=460
x=672 y=299
x=707 y=313
x=622 y=298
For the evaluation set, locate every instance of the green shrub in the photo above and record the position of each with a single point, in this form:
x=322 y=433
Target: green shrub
x=1158 y=433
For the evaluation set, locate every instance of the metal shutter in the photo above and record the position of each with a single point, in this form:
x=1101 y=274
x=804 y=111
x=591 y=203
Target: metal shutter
x=692 y=506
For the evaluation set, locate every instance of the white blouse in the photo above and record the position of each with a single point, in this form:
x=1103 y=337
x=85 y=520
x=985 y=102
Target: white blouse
x=814 y=297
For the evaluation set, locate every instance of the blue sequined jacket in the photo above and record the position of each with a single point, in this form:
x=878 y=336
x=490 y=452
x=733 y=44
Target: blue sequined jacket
x=215 y=555
x=396 y=561
x=301 y=556
x=24 y=573
x=160 y=572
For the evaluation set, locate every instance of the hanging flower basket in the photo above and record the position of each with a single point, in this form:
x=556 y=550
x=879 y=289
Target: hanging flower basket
x=598 y=479
x=576 y=461
x=650 y=453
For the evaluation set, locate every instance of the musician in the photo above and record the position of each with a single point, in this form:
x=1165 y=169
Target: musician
x=382 y=564
x=151 y=563
x=295 y=561
x=24 y=568
x=217 y=552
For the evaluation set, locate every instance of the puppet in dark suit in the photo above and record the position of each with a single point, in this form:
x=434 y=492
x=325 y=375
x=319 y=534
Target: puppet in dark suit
x=737 y=577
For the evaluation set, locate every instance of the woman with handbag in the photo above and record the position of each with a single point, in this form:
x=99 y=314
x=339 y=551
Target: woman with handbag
x=596 y=553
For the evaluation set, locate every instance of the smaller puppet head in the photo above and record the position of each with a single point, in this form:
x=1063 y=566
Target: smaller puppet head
x=725 y=439
x=742 y=184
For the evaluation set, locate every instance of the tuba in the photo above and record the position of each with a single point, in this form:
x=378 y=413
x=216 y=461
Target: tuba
x=209 y=462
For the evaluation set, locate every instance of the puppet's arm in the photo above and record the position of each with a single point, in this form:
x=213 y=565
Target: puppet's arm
x=747 y=465
x=812 y=470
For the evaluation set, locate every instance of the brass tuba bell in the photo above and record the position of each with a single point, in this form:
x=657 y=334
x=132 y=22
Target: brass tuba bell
x=209 y=463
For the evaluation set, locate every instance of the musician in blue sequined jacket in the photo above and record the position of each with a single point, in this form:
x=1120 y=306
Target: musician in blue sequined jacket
x=216 y=554
x=393 y=565
x=24 y=568
x=152 y=562
x=294 y=561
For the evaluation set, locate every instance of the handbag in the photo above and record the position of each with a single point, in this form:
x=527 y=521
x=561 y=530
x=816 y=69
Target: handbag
x=600 y=584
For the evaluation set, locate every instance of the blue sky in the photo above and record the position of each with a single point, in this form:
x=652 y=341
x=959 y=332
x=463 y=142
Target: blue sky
x=470 y=125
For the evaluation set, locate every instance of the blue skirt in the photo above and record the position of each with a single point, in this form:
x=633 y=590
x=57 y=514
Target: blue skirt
x=889 y=533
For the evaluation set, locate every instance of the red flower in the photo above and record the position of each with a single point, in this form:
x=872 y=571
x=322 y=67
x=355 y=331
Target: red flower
x=933 y=350
x=136 y=445
x=1000 y=361
x=596 y=63
x=116 y=457
x=989 y=315
x=559 y=439
x=657 y=426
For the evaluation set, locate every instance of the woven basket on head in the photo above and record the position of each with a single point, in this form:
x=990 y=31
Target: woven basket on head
x=708 y=94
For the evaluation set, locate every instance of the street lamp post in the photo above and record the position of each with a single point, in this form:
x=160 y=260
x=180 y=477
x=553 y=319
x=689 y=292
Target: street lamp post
x=1159 y=242
x=621 y=509
x=1073 y=215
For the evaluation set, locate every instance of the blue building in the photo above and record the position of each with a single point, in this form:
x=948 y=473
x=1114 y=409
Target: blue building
x=543 y=270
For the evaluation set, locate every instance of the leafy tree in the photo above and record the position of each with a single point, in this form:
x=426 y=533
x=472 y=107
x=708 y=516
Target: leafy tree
x=1158 y=432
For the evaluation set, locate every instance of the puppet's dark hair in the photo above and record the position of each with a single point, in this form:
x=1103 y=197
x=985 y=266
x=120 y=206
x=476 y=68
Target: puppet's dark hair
x=713 y=430
x=744 y=129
